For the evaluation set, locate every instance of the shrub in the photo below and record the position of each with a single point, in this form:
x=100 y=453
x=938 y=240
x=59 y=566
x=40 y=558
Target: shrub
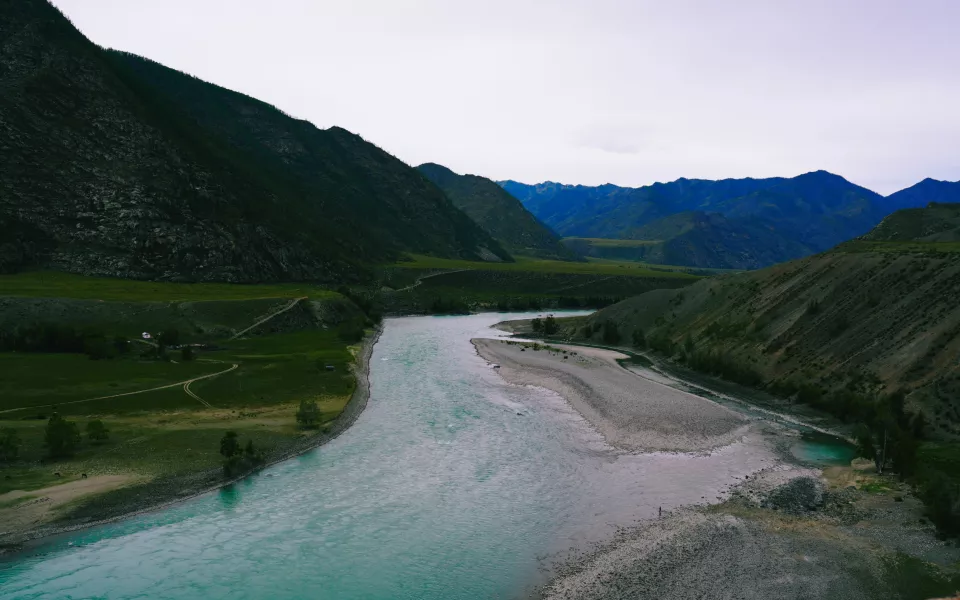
x=350 y=331
x=550 y=325
x=61 y=437
x=97 y=432
x=639 y=339
x=611 y=335
x=186 y=353
x=308 y=414
x=9 y=444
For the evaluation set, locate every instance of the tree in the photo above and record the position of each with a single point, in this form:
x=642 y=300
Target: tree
x=9 y=444
x=537 y=325
x=611 y=335
x=186 y=353
x=62 y=437
x=350 y=331
x=169 y=337
x=549 y=325
x=97 y=432
x=229 y=445
x=639 y=339
x=309 y=414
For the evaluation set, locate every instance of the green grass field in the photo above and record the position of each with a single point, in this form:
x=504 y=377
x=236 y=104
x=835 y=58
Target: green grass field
x=52 y=284
x=167 y=432
x=534 y=265
x=611 y=243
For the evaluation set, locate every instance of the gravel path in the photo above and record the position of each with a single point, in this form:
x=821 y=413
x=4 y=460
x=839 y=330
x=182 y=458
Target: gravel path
x=631 y=412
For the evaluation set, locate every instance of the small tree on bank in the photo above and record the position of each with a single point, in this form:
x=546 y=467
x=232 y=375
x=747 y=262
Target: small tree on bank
x=235 y=459
x=537 y=325
x=229 y=445
x=550 y=325
x=308 y=415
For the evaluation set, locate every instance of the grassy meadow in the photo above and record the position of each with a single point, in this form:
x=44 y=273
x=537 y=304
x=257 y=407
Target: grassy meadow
x=157 y=430
x=422 y=282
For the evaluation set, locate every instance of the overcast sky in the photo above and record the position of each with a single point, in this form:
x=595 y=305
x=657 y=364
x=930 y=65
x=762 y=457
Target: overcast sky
x=587 y=91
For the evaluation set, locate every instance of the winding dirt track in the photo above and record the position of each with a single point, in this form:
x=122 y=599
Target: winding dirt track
x=185 y=385
x=267 y=318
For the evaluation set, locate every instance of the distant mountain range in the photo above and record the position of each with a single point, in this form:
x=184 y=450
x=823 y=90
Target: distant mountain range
x=116 y=165
x=498 y=213
x=730 y=223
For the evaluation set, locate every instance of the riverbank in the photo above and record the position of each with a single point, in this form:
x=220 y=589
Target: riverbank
x=631 y=413
x=786 y=533
x=791 y=531
x=126 y=502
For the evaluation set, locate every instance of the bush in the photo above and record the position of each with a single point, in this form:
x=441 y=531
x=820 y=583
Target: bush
x=550 y=325
x=97 y=432
x=639 y=339
x=537 y=325
x=308 y=414
x=237 y=460
x=611 y=335
x=350 y=331
x=9 y=444
x=62 y=437
x=186 y=353
x=169 y=337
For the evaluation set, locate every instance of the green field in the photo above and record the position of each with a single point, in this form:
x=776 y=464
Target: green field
x=52 y=284
x=533 y=265
x=611 y=243
x=158 y=430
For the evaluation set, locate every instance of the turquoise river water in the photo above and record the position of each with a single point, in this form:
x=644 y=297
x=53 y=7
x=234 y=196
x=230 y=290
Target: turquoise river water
x=451 y=484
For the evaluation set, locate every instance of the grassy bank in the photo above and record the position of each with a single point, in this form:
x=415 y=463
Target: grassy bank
x=423 y=282
x=165 y=410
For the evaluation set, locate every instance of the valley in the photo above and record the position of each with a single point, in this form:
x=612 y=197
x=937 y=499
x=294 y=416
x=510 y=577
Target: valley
x=248 y=352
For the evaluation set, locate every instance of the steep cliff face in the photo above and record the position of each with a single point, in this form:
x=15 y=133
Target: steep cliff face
x=114 y=165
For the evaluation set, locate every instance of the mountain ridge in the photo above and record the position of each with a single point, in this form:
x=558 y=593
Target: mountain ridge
x=809 y=213
x=499 y=213
x=126 y=168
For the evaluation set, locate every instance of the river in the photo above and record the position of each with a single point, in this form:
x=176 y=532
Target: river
x=451 y=484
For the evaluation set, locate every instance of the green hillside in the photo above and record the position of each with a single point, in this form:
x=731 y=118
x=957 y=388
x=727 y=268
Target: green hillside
x=119 y=166
x=498 y=213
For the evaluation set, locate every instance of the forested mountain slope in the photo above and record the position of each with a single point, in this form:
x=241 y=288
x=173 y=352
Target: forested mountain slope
x=115 y=165
x=731 y=223
x=499 y=213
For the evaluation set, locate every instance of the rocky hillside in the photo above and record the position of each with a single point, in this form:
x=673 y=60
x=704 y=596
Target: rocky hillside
x=499 y=213
x=863 y=318
x=115 y=165
x=731 y=223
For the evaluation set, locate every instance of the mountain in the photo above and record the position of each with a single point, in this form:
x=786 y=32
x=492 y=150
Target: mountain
x=708 y=240
x=730 y=223
x=872 y=316
x=116 y=165
x=925 y=192
x=499 y=213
